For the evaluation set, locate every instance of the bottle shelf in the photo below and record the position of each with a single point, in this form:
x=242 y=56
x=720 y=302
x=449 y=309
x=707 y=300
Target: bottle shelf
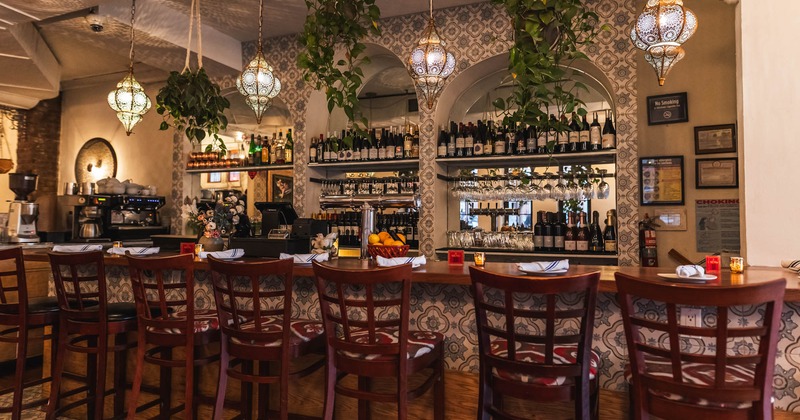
x=555 y=160
x=241 y=169
x=369 y=165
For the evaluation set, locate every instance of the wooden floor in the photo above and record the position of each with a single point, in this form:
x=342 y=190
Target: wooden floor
x=461 y=395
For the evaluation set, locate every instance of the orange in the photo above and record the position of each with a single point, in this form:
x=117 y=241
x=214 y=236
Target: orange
x=374 y=239
x=383 y=235
x=401 y=237
x=388 y=241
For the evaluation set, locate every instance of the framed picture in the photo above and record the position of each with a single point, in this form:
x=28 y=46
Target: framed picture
x=667 y=109
x=661 y=180
x=214 y=177
x=280 y=186
x=715 y=139
x=717 y=173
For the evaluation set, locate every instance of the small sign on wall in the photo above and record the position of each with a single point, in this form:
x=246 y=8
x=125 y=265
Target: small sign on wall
x=673 y=218
x=667 y=109
x=717 y=225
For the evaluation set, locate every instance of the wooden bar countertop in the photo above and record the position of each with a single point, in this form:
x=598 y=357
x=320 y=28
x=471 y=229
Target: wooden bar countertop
x=442 y=273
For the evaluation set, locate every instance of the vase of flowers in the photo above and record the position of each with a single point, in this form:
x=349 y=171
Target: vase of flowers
x=217 y=223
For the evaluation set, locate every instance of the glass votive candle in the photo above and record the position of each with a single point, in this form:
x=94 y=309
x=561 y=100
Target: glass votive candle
x=117 y=244
x=737 y=265
x=479 y=258
x=198 y=248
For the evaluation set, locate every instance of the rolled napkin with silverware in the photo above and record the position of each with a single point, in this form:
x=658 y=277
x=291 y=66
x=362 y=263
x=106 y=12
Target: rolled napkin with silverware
x=688 y=271
x=135 y=250
x=305 y=258
x=793 y=265
x=223 y=255
x=78 y=248
x=391 y=262
x=544 y=266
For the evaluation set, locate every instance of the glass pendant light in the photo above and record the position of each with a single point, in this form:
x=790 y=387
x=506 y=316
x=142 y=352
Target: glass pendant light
x=660 y=30
x=430 y=63
x=257 y=82
x=128 y=99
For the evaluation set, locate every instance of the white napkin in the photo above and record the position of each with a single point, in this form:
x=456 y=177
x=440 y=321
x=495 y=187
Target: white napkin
x=689 y=271
x=306 y=258
x=135 y=250
x=544 y=266
x=77 y=248
x=391 y=262
x=224 y=255
x=793 y=265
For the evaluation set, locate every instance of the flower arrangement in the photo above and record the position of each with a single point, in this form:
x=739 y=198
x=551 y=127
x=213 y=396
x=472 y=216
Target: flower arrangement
x=219 y=221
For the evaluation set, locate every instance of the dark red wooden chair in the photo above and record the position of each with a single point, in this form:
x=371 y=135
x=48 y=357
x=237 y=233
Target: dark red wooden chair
x=669 y=381
x=86 y=321
x=254 y=302
x=163 y=288
x=366 y=316
x=533 y=344
x=22 y=314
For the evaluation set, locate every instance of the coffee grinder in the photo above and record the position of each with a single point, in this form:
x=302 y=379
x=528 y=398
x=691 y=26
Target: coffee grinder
x=22 y=213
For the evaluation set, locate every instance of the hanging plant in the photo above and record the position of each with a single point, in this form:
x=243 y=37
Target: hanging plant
x=333 y=24
x=190 y=102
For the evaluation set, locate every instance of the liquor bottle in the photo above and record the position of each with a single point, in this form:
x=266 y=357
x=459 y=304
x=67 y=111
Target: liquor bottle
x=280 y=155
x=273 y=149
x=541 y=138
x=595 y=235
x=441 y=151
x=595 y=135
x=265 y=151
x=559 y=232
x=574 y=134
x=583 y=146
x=609 y=133
x=538 y=232
x=460 y=141
x=582 y=244
x=312 y=151
x=610 y=232
x=288 y=150
x=531 y=141
x=571 y=235
x=469 y=141
x=548 y=231
x=334 y=223
x=251 y=158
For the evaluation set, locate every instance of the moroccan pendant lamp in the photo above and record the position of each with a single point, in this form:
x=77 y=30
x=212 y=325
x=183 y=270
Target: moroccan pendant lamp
x=128 y=99
x=257 y=82
x=430 y=63
x=660 y=30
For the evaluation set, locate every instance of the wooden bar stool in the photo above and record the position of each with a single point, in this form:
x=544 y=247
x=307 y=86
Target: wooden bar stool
x=163 y=288
x=366 y=316
x=254 y=302
x=22 y=315
x=670 y=381
x=535 y=340
x=86 y=321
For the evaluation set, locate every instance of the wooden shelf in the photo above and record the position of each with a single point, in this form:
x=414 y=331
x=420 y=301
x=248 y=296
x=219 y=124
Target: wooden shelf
x=605 y=156
x=241 y=169
x=369 y=165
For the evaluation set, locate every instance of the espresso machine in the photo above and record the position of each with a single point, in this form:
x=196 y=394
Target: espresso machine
x=22 y=213
x=117 y=217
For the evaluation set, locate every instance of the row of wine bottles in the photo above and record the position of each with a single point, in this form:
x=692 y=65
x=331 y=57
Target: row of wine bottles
x=383 y=144
x=348 y=225
x=552 y=233
x=563 y=136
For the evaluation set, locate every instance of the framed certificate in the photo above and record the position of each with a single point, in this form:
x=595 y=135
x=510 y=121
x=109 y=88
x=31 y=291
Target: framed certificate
x=661 y=180
x=715 y=139
x=717 y=173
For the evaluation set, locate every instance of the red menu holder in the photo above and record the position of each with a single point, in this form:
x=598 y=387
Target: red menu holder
x=455 y=257
x=713 y=263
x=187 y=247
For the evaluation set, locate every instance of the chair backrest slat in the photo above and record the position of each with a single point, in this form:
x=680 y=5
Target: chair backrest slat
x=161 y=284
x=80 y=283
x=17 y=283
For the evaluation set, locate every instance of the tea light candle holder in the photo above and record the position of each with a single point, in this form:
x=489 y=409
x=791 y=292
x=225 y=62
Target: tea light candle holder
x=198 y=248
x=737 y=265
x=117 y=244
x=479 y=258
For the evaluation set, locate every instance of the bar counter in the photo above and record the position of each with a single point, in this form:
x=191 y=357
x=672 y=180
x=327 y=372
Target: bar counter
x=441 y=301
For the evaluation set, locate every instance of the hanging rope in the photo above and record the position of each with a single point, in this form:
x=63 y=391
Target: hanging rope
x=194 y=10
x=260 y=21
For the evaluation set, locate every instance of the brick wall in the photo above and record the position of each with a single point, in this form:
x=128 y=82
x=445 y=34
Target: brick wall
x=38 y=145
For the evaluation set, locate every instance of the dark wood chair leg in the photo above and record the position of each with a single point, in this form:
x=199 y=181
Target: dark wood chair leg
x=195 y=402
x=247 y=390
x=55 y=339
x=91 y=376
x=19 y=374
x=364 y=384
x=438 y=388
x=222 y=384
x=190 y=383
x=484 y=395
x=133 y=402
x=120 y=374
x=330 y=388
x=263 y=391
x=165 y=387
x=100 y=377
x=57 y=369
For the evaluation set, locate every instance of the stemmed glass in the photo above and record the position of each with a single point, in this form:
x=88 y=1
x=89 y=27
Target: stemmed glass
x=571 y=192
x=547 y=190
x=603 y=189
x=587 y=190
x=560 y=190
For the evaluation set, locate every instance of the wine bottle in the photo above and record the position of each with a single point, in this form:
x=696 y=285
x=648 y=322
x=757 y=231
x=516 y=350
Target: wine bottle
x=538 y=232
x=469 y=141
x=582 y=243
x=610 y=232
x=562 y=137
x=531 y=141
x=559 y=232
x=571 y=235
x=399 y=146
x=312 y=152
x=380 y=146
x=549 y=232
x=583 y=145
x=541 y=139
x=522 y=141
x=357 y=140
x=442 y=149
x=451 y=143
x=574 y=134
x=365 y=148
x=595 y=135
x=415 y=145
x=288 y=151
x=460 y=141
x=251 y=158
x=408 y=141
x=595 y=235
x=499 y=143
x=479 y=147
x=609 y=133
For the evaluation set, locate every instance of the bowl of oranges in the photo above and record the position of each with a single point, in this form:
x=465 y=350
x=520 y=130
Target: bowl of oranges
x=387 y=245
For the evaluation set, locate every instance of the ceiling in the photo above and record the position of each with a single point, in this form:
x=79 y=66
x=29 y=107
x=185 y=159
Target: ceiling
x=47 y=45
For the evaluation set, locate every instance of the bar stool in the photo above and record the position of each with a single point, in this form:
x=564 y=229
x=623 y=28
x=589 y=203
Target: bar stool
x=534 y=344
x=86 y=321
x=366 y=316
x=163 y=288
x=669 y=382
x=254 y=302
x=21 y=316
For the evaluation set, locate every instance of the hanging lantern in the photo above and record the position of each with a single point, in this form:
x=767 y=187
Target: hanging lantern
x=128 y=99
x=430 y=63
x=257 y=82
x=660 y=30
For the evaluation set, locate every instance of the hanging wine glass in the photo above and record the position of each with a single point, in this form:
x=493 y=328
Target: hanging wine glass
x=547 y=190
x=603 y=188
x=560 y=189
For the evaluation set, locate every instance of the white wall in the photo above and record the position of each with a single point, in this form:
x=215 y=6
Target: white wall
x=769 y=100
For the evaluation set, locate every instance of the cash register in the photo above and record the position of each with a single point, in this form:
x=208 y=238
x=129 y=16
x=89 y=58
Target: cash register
x=282 y=232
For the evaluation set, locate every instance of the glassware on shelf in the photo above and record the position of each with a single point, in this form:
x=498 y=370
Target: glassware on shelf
x=603 y=188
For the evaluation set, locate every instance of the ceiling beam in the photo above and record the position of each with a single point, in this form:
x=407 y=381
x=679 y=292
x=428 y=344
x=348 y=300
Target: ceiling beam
x=39 y=53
